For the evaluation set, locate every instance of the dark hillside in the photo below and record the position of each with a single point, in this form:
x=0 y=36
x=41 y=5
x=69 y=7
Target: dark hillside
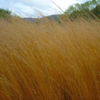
x=52 y=17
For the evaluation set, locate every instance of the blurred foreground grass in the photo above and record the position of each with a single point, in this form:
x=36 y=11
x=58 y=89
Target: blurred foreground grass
x=50 y=61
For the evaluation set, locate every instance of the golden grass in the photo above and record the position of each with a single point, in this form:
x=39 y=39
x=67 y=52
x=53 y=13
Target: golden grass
x=49 y=61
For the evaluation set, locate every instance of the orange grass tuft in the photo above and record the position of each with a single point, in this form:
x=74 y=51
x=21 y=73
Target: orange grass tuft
x=49 y=61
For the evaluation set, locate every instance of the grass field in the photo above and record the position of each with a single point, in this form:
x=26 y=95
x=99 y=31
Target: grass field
x=50 y=61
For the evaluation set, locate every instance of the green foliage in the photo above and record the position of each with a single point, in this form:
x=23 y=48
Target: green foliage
x=84 y=10
x=96 y=11
x=5 y=13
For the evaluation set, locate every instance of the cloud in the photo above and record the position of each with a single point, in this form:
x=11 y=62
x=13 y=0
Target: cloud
x=26 y=7
x=81 y=1
x=64 y=4
x=39 y=4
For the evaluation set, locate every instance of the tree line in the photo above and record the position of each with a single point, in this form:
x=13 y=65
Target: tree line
x=85 y=10
x=5 y=13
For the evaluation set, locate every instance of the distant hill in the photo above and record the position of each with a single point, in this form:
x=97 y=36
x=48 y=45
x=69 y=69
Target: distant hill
x=30 y=19
x=52 y=17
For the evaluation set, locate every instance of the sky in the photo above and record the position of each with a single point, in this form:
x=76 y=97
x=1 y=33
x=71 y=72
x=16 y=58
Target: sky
x=32 y=8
